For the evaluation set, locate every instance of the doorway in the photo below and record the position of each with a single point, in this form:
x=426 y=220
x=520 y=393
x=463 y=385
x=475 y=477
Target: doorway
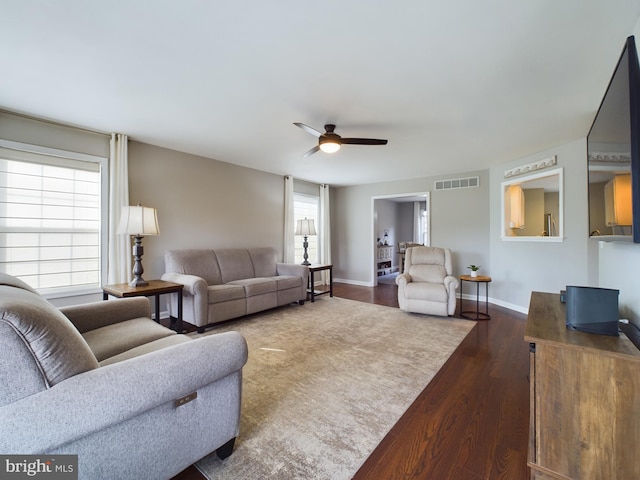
x=397 y=218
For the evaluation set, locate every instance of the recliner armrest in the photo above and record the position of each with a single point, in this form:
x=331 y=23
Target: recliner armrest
x=450 y=282
x=403 y=279
x=94 y=400
x=89 y=316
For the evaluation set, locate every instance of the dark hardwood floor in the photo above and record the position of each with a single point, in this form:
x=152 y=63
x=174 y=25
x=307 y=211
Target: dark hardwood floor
x=471 y=422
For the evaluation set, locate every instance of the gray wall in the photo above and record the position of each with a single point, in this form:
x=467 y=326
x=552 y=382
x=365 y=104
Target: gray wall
x=46 y=134
x=459 y=220
x=619 y=266
x=204 y=203
x=18 y=128
x=405 y=221
x=207 y=203
x=520 y=267
x=468 y=221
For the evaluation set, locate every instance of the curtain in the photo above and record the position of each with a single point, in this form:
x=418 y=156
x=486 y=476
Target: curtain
x=417 y=231
x=119 y=261
x=324 y=240
x=289 y=224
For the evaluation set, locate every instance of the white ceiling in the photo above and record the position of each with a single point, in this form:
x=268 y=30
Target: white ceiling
x=454 y=86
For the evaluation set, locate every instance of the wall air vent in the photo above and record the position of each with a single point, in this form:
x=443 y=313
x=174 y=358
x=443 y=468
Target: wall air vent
x=468 y=182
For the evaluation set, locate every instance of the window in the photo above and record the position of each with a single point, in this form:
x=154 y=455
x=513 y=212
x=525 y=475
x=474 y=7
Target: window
x=50 y=217
x=306 y=206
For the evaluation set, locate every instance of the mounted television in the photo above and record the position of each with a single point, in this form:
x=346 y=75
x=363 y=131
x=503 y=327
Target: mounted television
x=613 y=150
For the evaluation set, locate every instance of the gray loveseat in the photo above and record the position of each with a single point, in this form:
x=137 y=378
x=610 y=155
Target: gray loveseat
x=228 y=283
x=109 y=384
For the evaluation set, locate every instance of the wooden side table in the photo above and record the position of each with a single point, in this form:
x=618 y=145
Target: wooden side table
x=154 y=289
x=311 y=290
x=477 y=315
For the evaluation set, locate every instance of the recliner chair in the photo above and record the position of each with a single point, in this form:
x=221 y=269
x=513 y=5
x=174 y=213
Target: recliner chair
x=427 y=285
x=103 y=381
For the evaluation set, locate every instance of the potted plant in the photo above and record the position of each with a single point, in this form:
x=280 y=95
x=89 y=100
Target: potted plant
x=474 y=270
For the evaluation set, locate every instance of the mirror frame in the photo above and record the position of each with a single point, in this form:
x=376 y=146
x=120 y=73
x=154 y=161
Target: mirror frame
x=525 y=178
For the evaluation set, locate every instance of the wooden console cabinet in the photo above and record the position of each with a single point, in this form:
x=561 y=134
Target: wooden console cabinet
x=585 y=399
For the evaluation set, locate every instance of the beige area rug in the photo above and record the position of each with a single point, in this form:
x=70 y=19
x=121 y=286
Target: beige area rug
x=325 y=382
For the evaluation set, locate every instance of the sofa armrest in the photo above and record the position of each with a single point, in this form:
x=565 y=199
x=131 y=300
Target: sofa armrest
x=292 y=269
x=89 y=316
x=195 y=293
x=193 y=285
x=94 y=400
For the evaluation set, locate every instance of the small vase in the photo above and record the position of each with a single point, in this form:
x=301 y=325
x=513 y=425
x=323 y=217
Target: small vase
x=474 y=273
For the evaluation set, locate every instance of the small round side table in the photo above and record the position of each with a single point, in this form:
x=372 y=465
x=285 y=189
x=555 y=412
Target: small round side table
x=477 y=315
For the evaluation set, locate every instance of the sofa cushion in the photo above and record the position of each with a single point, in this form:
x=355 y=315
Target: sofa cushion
x=427 y=273
x=264 y=261
x=427 y=256
x=115 y=339
x=224 y=293
x=256 y=286
x=434 y=292
x=40 y=346
x=146 y=348
x=235 y=264
x=287 y=281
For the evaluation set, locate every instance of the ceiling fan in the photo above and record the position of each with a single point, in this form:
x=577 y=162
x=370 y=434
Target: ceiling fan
x=330 y=142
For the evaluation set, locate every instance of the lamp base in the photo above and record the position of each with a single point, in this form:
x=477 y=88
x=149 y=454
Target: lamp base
x=305 y=256
x=138 y=270
x=138 y=282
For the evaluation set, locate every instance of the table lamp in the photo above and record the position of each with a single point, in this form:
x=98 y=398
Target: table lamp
x=138 y=221
x=305 y=227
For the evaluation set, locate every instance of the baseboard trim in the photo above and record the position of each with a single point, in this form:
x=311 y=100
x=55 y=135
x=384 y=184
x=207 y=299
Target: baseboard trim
x=465 y=296
x=495 y=301
x=353 y=282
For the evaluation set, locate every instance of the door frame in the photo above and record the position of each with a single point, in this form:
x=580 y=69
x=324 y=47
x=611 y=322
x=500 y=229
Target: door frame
x=373 y=244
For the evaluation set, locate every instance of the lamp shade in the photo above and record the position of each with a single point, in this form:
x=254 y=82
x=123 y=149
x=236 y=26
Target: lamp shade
x=305 y=227
x=138 y=220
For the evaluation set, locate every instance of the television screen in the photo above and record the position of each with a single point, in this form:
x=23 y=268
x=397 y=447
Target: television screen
x=613 y=147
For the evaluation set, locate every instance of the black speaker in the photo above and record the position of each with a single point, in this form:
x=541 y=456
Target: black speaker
x=593 y=310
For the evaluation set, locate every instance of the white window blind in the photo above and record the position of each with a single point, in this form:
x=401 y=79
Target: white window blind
x=50 y=218
x=306 y=206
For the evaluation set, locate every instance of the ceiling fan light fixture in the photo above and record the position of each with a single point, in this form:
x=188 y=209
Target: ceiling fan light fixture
x=330 y=146
x=330 y=142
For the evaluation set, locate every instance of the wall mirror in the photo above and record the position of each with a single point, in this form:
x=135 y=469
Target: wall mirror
x=532 y=207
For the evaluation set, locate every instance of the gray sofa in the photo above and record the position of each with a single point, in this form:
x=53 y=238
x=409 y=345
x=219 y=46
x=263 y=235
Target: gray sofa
x=228 y=283
x=109 y=384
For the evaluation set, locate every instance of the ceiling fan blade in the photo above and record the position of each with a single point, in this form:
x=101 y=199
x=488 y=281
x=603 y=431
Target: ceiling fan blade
x=311 y=152
x=308 y=129
x=363 y=141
